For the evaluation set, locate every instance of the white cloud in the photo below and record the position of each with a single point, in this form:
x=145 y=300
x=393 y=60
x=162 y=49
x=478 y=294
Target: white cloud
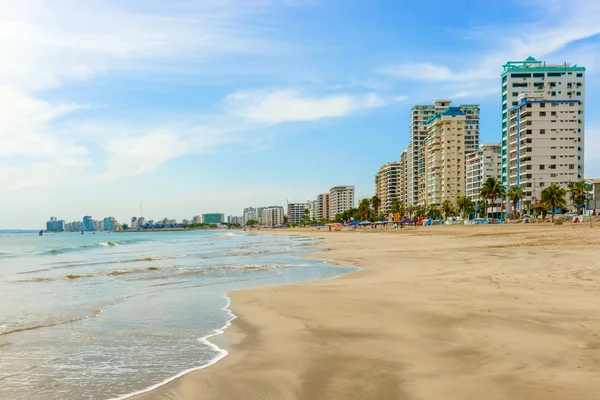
x=291 y=105
x=563 y=24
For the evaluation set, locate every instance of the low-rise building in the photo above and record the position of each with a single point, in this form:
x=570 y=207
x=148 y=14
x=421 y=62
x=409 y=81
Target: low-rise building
x=213 y=218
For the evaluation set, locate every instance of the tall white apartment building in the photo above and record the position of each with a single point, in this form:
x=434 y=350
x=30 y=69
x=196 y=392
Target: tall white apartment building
x=388 y=184
x=559 y=89
x=272 y=215
x=313 y=210
x=403 y=176
x=341 y=198
x=415 y=158
x=250 y=214
x=323 y=206
x=482 y=164
x=545 y=143
x=295 y=212
x=444 y=157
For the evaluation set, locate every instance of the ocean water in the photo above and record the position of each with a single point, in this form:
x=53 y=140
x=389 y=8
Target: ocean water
x=101 y=316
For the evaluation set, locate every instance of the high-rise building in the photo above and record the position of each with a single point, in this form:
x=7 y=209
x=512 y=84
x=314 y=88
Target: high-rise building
x=544 y=129
x=235 y=220
x=259 y=211
x=110 y=224
x=55 y=225
x=272 y=215
x=323 y=207
x=545 y=144
x=482 y=164
x=313 y=209
x=415 y=157
x=213 y=218
x=388 y=184
x=250 y=214
x=341 y=198
x=403 y=176
x=295 y=212
x=444 y=157
x=86 y=223
x=197 y=219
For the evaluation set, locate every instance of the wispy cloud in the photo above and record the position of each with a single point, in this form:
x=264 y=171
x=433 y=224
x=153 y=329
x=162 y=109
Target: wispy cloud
x=563 y=23
x=291 y=105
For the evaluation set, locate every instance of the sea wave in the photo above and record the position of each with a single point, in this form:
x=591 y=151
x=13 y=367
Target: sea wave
x=25 y=328
x=116 y=272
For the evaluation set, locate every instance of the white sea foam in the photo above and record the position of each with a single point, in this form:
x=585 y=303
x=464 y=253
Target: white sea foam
x=222 y=353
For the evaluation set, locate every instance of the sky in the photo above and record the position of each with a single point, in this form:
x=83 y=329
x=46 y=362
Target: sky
x=190 y=107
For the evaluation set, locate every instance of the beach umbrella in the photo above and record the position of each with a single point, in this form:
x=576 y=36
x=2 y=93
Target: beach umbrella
x=366 y=223
x=353 y=223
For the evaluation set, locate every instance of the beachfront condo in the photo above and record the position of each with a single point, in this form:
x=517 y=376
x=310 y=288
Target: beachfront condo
x=551 y=137
x=295 y=212
x=403 y=176
x=481 y=164
x=444 y=157
x=323 y=206
x=213 y=218
x=313 y=209
x=272 y=215
x=544 y=143
x=341 y=198
x=419 y=131
x=388 y=184
x=250 y=214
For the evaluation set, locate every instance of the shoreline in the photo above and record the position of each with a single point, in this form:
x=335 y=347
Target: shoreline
x=222 y=330
x=390 y=317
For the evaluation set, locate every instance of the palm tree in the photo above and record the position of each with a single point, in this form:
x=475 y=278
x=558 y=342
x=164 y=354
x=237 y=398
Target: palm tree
x=364 y=208
x=396 y=205
x=464 y=204
x=447 y=208
x=410 y=210
x=515 y=194
x=491 y=190
x=432 y=210
x=553 y=198
x=578 y=193
x=376 y=203
x=419 y=211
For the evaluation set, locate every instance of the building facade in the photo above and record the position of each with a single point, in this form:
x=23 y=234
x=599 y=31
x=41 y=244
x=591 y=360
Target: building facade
x=444 y=157
x=313 y=210
x=388 y=184
x=110 y=224
x=419 y=131
x=341 y=198
x=403 y=176
x=86 y=223
x=213 y=218
x=55 y=225
x=549 y=84
x=482 y=164
x=545 y=144
x=323 y=207
x=249 y=214
x=272 y=215
x=295 y=212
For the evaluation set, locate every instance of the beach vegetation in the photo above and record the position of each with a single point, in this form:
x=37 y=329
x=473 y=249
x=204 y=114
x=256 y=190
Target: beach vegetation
x=579 y=194
x=466 y=206
x=447 y=208
x=515 y=194
x=411 y=211
x=376 y=203
x=553 y=198
x=491 y=190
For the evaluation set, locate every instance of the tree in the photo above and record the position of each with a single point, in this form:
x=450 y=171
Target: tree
x=396 y=205
x=125 y=227
x=305 y=217
x=251 y=222
x=364 y=208
x=553 y=198
x=432 y=210
x=376 y=203
x=447 y=208
x=578 y=194
x=515 y=194
x=419 y=211
x=465 y=205
x=410 y=210
x=491 y=190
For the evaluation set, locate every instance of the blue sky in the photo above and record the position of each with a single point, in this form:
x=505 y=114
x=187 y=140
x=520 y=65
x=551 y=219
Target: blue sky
x=215 y=105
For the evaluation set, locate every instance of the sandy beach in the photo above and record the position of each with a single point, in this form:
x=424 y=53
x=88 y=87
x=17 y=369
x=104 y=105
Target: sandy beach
x=447 y=312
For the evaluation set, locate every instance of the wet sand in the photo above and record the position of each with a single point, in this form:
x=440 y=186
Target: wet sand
x=448 y=312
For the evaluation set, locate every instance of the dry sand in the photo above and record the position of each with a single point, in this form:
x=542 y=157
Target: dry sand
x=448 y=313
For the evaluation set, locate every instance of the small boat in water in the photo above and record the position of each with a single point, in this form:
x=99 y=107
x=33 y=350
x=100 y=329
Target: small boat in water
x=41 y=232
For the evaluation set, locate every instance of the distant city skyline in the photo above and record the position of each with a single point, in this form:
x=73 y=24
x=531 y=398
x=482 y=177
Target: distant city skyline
x=269 y=101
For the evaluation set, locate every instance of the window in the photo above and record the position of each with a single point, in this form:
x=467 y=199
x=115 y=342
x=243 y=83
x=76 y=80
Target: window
x=542 y=167
x=580 y=75
x=542 y=105
x=542 y=131
x=553 y=157
x=542 y=114
x=553 y=113
x=578 y=93
x=521 y=75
